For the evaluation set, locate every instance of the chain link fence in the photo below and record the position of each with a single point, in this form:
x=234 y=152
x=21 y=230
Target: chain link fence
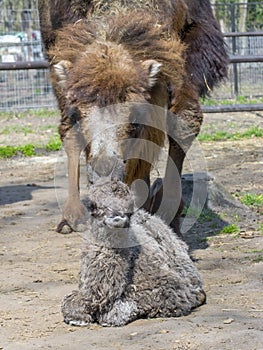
x=243 y=28
x=20 y=41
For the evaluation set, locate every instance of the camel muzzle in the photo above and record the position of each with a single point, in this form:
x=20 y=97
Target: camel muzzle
x=117 y=220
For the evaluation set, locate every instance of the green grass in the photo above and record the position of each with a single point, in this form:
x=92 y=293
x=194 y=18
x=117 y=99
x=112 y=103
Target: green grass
x=41 y=113
x=11 y=151
x=206 y=216
x=232 y=228
x=20 y=129
x=192 y=212
x=258 y=259
x=29 y=149
x=54 y=144
x=16 y=129
x=254 y=251
x=239 y=100
x=252 y=200
x=254 y=131
x=202 y=216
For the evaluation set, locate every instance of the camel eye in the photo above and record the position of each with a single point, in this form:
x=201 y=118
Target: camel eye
x=74 y=115
x=91 y=206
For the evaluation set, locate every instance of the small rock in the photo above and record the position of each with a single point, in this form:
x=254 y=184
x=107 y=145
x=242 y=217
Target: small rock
x=66 y=230
x=228 y=320
x=247 y=234
x=133 y=334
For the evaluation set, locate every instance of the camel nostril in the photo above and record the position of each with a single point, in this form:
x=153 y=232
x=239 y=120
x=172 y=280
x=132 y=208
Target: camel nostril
x=117 y=221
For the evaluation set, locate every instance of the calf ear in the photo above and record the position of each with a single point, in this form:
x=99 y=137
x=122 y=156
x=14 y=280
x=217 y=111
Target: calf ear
x=153 y=68
x=61 y=70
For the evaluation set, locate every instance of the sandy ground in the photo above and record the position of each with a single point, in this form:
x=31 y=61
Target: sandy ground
x=39 y=266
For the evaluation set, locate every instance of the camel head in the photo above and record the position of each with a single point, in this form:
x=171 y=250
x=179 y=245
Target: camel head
x=108 y=97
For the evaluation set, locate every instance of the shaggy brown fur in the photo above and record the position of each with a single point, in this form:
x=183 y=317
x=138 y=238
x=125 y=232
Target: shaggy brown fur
x=164 y=53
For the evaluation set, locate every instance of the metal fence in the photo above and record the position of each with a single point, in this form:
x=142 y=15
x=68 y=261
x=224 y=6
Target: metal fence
x=20 y=41
x=243 y=28
x=30 y=88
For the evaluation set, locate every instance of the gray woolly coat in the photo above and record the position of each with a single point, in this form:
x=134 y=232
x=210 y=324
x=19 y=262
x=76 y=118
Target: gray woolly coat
x=140 y=271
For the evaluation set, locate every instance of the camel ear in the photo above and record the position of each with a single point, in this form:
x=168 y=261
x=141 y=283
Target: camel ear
x=153 y=68
x=61 y=70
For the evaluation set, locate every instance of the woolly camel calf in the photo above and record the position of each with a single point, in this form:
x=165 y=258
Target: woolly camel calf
x=132 y=264
x=138 y=54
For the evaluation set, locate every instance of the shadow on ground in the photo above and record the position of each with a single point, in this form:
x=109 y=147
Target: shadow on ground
x=18 y=193
x=208 y=209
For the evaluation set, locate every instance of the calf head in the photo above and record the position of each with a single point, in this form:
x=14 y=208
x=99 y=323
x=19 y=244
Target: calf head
x=110 y=204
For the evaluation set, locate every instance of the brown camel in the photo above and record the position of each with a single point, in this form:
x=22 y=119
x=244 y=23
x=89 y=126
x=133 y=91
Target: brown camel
x=112 y=63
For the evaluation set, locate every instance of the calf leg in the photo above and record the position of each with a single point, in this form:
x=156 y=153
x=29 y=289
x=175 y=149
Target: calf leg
x=121 y=313
x=75 y=310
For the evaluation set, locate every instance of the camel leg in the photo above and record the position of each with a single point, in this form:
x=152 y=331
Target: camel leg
x=166 y=195
x=176 y=156
x=73 y=212
x=184 y=124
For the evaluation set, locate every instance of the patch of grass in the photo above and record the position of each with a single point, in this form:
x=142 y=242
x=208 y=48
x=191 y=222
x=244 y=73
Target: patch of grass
x=236 y=217
x=214 y=225
x=11 y=151
x=54 y=144
x=215 y=136
x=206 y=216
x=252 y=200
x=233 y=228
x=16 y=129
x=255 y=251
x=191 y=211
x=261 y=228
x=7 y=151
x=258 y=259
x=41 y=113
x=29 y=149
x=240 y=99
x=254 y=131
x=202 y=239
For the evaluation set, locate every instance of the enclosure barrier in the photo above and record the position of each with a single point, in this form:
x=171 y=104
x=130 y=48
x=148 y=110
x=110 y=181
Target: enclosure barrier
x=24 y=65
x=45 y=64
x=26 y=85
x=206 y=109
x=255 y=107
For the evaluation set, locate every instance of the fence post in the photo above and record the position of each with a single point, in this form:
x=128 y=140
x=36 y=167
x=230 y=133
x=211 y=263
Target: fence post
x=234 y=47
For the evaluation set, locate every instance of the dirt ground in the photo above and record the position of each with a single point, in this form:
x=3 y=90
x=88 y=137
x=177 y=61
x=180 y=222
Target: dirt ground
x=39 y=266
